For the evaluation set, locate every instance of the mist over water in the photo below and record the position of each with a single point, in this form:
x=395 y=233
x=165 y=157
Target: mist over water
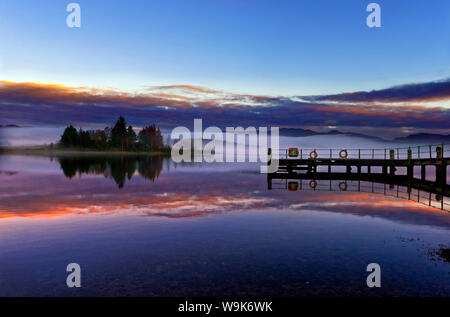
x=26 y=136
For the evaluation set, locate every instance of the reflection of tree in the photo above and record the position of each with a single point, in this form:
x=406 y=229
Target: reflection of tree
x=121 y=168
x=150 y=167
x=69 y=169
x=118 y=168
x=82 y=165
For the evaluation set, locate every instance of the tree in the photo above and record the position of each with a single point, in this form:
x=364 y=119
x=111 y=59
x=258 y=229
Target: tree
x=69 y=137
x=131 y=138
x=159 y=142
x=98 y=139
x=151 y=138
x=84 y=139
x=119 y=133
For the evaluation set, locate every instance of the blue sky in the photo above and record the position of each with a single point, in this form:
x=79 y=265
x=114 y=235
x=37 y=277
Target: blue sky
x=259 y=47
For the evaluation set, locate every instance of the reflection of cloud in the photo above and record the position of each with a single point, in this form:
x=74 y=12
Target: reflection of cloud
x=181 y=197
x=193 y=206
x=375 y=205
x=171 y=206
x=169 y=106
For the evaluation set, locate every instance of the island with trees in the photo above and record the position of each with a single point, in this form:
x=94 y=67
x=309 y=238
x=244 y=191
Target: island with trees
x=119 y=138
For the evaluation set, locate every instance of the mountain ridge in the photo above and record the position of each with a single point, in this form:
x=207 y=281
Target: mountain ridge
x=415 y=137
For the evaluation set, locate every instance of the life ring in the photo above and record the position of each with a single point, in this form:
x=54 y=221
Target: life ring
x=293 y=152
x=343 y=154
x=313 y=184
x=313 y=155
x=293 y=186
x=343 y=186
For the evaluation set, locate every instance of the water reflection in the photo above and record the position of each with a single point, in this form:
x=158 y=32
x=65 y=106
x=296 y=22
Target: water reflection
x=423 y=192
x=123 y=168
x=119 y=168
x=83 y=185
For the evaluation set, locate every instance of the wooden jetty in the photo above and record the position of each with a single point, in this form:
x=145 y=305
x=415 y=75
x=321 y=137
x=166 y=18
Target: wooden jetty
x=294 y=159
x=360 y=165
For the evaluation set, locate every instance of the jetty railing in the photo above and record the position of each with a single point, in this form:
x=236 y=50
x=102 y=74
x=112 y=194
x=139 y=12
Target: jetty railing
x=431 y=151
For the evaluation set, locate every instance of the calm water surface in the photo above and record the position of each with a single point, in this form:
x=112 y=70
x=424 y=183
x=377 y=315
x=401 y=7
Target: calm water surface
x=145 y=227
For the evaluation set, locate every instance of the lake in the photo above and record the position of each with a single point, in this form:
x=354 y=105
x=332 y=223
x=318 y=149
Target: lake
x=145 y=226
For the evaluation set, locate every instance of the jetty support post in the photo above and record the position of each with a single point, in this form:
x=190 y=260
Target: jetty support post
x=410 y=169
x=269 y=178
x=392 y=158
x=441 y=168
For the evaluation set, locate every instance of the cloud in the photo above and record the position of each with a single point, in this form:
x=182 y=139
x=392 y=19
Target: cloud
x=420 y=92
x=190 y=88
x=170 y=106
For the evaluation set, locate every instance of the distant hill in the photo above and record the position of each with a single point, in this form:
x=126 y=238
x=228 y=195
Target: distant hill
x=424 y=138
x=298 y=132
x=9 y=126
x=358 y=135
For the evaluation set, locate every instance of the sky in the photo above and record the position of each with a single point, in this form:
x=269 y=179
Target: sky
x=204 y=57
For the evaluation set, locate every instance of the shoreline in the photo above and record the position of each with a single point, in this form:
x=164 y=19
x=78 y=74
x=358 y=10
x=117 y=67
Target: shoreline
x=46 y=150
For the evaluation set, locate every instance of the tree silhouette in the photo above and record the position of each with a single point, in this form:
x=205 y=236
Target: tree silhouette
x=69 y=137
x=119 y=134
x=151 y=138
x=131 y=138
x=84 y=139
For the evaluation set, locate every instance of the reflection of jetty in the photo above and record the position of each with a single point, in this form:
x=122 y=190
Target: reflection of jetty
x=359 y=166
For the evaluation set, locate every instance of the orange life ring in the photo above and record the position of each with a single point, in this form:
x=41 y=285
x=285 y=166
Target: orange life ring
x=313 y=184
x=343 y=154
x=313 y=155
x=343 y=186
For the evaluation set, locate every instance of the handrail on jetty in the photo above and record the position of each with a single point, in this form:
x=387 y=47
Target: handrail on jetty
x=392 y=153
